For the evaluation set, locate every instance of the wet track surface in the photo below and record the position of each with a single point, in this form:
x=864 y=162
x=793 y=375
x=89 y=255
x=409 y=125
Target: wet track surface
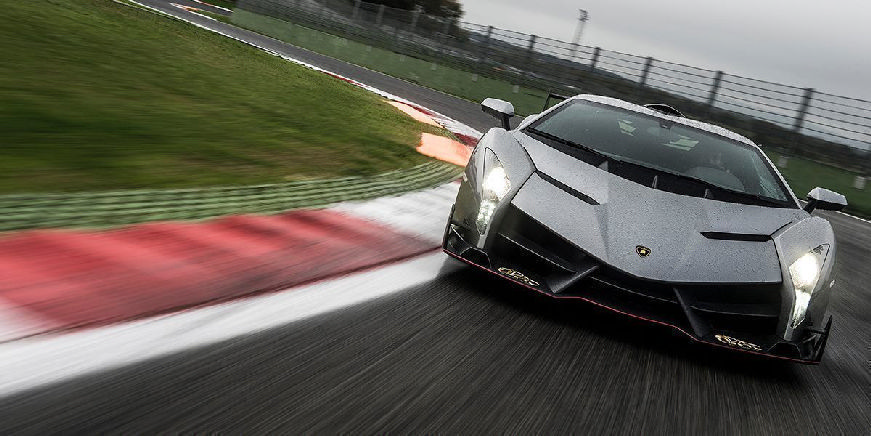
x=471 y=353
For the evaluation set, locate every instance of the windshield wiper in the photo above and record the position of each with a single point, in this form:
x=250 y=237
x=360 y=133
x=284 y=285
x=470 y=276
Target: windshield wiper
x=712 y=186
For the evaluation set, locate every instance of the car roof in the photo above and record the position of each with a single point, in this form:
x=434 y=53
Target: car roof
x=717 y=130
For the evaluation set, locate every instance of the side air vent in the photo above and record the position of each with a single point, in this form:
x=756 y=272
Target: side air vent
x=573 y=192
x=736 y=236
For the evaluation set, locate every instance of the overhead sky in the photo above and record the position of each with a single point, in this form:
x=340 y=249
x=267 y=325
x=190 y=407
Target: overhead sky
x=820 y=44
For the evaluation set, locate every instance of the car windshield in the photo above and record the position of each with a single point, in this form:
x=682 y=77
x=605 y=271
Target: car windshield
x=664 y=146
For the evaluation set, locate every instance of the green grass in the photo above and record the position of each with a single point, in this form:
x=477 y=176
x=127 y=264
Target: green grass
x=95 y=95
x=804 y=175
x=450 y=80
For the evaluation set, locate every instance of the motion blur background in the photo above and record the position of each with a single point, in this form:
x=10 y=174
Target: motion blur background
x=829 y=133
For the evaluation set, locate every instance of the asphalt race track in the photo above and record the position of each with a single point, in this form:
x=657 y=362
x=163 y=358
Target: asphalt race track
x=469 y=353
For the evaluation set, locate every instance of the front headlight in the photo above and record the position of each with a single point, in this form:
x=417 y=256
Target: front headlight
x=805 y=273
x=494 y=187
x=496 y=183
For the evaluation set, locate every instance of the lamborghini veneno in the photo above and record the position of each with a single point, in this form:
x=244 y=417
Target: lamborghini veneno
x=646 y=212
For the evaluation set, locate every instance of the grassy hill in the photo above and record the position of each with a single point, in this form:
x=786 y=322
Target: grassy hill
x=96 y=95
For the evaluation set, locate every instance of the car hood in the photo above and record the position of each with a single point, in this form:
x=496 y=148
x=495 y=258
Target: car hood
x=629 y=215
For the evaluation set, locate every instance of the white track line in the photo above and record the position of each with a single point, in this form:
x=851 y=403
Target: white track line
x=39 y=361
x=421 y=214
x=213 y=6
x=854 y=217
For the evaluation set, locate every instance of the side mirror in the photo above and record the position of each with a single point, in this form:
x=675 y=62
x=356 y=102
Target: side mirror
x=823 y=199
x=501 y=109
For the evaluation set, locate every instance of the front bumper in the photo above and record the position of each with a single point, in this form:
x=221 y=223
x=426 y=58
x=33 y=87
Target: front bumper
x=739 y=317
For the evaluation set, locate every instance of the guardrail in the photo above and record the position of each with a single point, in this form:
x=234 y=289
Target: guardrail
x=824 y=127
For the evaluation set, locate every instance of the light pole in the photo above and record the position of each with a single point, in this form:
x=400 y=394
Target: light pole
x=582 y=20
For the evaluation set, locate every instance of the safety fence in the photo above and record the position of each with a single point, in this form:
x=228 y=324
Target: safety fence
x=806 y=122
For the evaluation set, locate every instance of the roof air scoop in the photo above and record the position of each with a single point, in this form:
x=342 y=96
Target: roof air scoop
x=664 y=108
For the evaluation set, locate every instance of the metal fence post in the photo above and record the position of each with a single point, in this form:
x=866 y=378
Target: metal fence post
x=380 y=16
x=448 y=23
x=322 y=11
x=485 y=48
x=356 y=9
x=443 y=38
x=530 y=60
x=415 y=15
x=643 y=80
x=300 y=9
x=715 y=88
x=531 y=48
x=802 y=110
x=595 y=59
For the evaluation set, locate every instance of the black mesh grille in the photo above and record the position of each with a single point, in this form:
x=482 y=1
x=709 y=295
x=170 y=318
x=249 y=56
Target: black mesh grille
x=740 y=324
x=625 y=282
x=766 y=295
x=740 y=309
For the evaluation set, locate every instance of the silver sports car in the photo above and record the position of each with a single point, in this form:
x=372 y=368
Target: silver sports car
x=646 y=212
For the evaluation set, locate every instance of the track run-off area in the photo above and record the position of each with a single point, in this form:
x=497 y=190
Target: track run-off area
x=428 y=345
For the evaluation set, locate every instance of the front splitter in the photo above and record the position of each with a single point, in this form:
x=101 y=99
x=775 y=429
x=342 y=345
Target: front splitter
x=817 y=342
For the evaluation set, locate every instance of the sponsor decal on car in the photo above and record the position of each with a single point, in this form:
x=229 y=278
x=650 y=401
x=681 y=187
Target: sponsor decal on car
x=728 y=340
x=519 y=276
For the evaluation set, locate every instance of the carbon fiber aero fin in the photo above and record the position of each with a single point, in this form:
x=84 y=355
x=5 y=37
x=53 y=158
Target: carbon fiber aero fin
x=821 y=343
x=700 y=326
x=559 y=284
